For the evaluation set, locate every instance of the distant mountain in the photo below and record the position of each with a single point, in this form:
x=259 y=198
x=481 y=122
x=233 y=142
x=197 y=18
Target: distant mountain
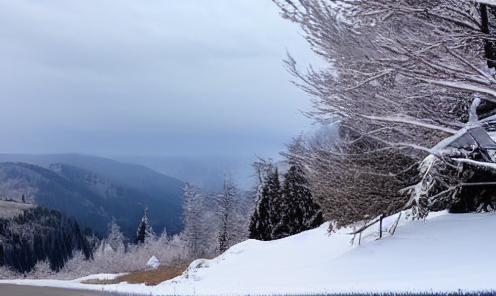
x=206 y=172
x=93 y=190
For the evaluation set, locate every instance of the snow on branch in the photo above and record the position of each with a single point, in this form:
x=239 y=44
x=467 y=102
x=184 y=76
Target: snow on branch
x=411 y=121
x=488 y=165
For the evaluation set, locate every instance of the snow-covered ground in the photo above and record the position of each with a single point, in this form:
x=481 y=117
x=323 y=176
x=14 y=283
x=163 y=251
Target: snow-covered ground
x=446 y=253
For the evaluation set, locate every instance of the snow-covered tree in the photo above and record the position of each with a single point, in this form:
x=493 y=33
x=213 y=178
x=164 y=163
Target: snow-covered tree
x=350 y=185
x=305 y=212
x=268 y=203
x=199 y=222
x=259 y=221
x=276 y=205
x=226 y=209
x=115 y=238
x=283 y=210
x=404 y=79
x=403 y=72
x=302 y=213
x=233 y=209
x=40 y=235
x=145 y=231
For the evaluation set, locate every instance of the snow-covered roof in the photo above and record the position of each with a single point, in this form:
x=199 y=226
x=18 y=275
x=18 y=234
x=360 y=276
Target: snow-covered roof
x=476 y=137
x=481 y=136
x=488 y=2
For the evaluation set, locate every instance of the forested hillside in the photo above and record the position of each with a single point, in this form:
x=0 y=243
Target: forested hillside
x=95 y=198
x=39 y=235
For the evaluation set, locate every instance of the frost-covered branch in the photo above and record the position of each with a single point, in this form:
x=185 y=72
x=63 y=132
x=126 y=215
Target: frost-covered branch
x=405 y=80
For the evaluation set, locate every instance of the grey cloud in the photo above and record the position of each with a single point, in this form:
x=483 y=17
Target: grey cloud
x=122 y=76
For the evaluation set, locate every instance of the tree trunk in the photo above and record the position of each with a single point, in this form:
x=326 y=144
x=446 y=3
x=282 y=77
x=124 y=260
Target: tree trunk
x=490 y=54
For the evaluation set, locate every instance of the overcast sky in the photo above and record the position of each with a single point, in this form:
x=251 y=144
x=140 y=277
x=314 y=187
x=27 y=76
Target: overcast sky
x=121 y=77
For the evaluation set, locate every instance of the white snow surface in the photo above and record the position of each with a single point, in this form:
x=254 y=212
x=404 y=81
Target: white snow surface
x=446 y=253
x=153 y=262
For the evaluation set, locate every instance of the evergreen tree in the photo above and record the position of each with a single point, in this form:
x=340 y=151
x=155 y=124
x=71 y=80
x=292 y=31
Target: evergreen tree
x=268 y=207
x=277 y=207
x=260 y=221
x=38 y=235
x=281 y=212
x=302 y=212
x=115 y=238
x=145 y=231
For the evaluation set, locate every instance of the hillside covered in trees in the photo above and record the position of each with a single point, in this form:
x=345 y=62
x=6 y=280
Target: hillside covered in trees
x=94 y=190
x=39 y=235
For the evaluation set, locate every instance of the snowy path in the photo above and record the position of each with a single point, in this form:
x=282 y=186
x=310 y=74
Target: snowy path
x=19 y=290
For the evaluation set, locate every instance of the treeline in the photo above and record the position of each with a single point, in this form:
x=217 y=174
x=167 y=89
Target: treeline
x=41 y=234
x=45 y=243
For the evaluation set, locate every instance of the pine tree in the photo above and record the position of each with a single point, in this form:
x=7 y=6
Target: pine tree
x=145 y=231
x=115 y=238
x=283 y=211
x=277 y=207
x=260 y=221
x=267 y=214
x=40 y=235
x=302 y=212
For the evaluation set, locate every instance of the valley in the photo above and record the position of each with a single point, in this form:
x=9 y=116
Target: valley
x=93 y=190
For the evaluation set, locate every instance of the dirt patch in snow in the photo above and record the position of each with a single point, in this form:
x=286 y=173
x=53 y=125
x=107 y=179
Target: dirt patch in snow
x=150 y=277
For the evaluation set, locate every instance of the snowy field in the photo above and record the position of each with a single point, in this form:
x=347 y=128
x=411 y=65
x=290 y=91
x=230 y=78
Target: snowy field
x=9 y=209
x=448 y=252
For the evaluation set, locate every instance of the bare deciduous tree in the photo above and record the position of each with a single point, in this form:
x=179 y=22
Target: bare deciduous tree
x=402 y=72
x=232 y=212
x=199 y=222
x=404 y=80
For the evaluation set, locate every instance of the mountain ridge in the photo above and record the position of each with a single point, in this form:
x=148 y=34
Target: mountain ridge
x=94 y=190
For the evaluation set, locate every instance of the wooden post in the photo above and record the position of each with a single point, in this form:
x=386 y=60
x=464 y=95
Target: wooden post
x=393 y=229
x=380 y=226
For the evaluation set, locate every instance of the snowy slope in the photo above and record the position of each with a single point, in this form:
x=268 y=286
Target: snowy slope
x=446 y=253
